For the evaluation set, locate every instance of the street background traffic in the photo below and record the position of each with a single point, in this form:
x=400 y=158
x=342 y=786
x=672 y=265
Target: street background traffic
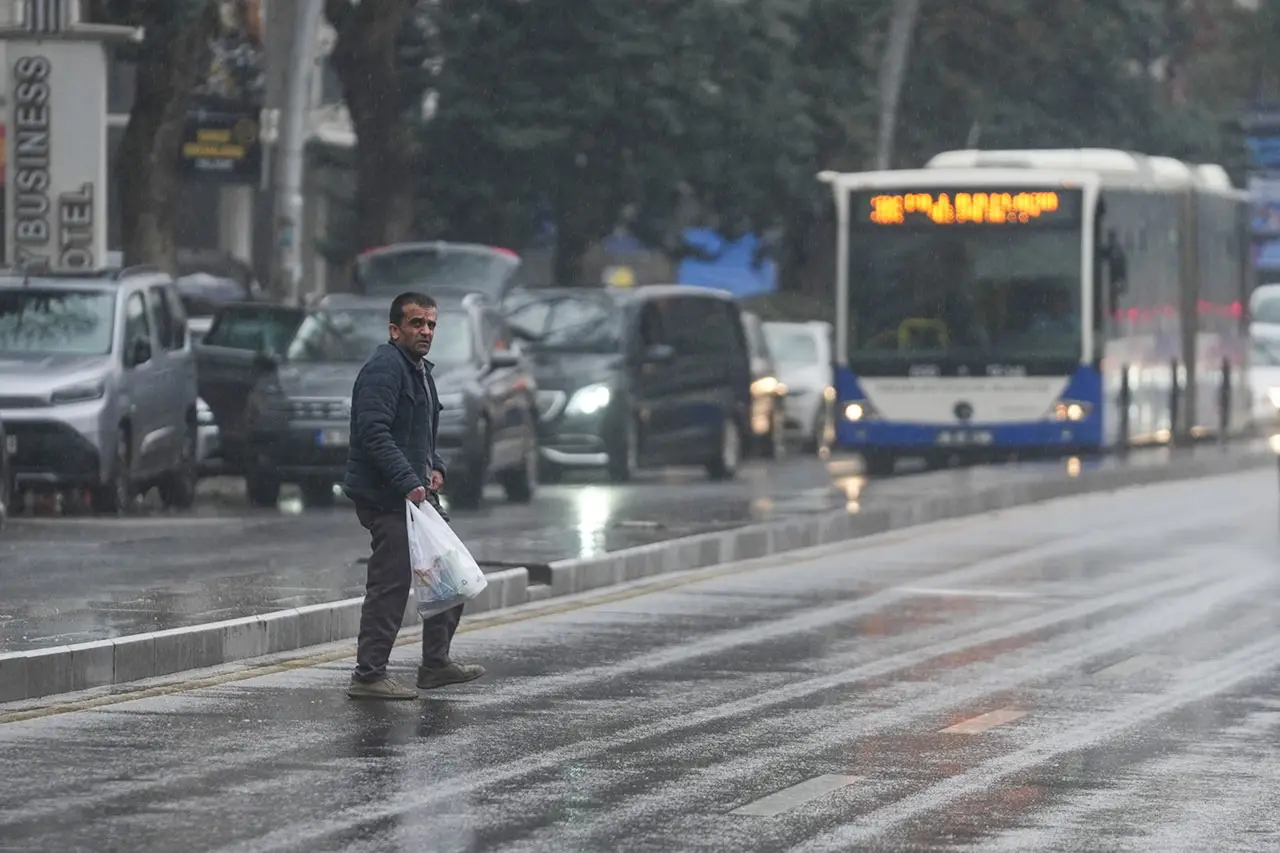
x=716 y=282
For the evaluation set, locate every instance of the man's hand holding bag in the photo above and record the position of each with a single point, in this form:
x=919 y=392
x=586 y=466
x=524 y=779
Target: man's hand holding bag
x=444 y=572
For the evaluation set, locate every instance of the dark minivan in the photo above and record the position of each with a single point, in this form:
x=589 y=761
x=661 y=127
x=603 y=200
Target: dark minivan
x=631 y=378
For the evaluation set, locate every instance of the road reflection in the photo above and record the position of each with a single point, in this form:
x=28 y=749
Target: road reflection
x=592 y=507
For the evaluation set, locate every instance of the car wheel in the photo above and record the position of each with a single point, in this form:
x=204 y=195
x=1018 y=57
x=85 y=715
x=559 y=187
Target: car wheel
x=520 y=483
x=772 y=446
x=729 y=454
x=466 y=491
x=178 y=487
x=624 y=452
x=549 y=472
x=117 y=496
x=317 y=494
x=262 y=488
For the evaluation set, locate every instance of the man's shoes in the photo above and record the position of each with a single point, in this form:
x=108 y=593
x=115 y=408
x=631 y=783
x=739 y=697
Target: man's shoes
x=452 y=673
x=383 y=688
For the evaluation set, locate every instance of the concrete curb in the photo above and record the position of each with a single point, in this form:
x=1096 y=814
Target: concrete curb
x=66 y=669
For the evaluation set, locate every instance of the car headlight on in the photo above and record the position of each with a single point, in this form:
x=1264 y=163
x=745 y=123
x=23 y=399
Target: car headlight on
x=1273 y=394
x=589 y=400
x=204 y=414
x=766 y=385
x=79 y=393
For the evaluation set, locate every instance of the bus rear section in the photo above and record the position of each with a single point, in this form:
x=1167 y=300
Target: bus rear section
x=962 y=321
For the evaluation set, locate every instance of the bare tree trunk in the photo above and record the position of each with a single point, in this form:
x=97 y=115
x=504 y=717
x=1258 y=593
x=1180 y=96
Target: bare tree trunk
x=147 y=166
x=387 y=147
x=893 y=73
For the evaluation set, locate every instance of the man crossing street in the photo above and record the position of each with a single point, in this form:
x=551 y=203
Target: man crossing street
x=395 y=414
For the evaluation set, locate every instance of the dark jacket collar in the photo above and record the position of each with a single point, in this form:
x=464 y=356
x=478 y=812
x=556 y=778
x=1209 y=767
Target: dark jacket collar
x=414 y=364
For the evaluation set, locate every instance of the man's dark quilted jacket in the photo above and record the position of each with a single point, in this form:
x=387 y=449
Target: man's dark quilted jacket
x=393 y=436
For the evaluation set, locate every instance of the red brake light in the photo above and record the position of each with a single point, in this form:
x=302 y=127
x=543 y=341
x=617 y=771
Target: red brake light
x=507 y=252
x=370 y=251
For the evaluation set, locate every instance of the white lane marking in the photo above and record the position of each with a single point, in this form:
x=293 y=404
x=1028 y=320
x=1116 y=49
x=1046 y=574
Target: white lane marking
x=1195 y=684
x=982 y=722
x=966 y=593
x=788 y=798
x=1128 y=666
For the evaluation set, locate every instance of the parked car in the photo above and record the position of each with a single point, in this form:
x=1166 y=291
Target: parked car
x=768 y=393
x=802 y=353
x=1264 y=381
x=637 y=377
x=279 y=380
x=1264 y=311
x=6 y=475
x=98 y=385
x=436 y=268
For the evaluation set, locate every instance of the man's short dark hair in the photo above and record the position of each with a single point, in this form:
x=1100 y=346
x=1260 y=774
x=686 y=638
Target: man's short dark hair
x=405 y=299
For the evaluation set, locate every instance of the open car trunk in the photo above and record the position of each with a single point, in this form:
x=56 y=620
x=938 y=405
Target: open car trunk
x=241 y=353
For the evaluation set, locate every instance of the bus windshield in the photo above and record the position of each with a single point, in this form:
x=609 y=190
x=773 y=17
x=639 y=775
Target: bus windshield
x=985 y=290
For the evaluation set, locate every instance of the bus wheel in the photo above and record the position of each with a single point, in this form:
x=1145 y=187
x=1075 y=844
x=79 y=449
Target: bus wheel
x=878 y=464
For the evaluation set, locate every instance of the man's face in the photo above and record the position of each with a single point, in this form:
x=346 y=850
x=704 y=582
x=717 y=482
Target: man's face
x=416 y=329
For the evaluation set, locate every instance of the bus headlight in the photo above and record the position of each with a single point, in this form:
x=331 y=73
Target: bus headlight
x=1071 y=410
x=859 y=411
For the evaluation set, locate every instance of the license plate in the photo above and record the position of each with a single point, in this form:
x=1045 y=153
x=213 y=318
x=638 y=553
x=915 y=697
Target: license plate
x=964 y=437
x=331 y=437
x=11 y=444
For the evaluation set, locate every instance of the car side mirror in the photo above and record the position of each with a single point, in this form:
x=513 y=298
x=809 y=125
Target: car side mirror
x=521 y=333
x=265 y=361
x=657 y=353
x=501 y=359
x=140 y=352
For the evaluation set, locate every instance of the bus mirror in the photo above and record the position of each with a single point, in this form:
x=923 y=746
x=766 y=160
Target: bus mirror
x=1117 y=266
x=1118 y=271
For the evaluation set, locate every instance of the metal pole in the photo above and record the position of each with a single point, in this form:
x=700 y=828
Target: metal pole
x=842 y=273
x=893 y=73
x=289 y=200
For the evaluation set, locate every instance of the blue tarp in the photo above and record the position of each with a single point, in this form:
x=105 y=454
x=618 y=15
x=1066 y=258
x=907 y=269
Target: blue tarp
x=732 y=266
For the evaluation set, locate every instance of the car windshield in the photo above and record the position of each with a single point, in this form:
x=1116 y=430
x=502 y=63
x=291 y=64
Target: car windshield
x=56 y=322
x=563 y=323
x=931 y=289
x=432 y=268
x=351 y=335
x=1265 y=353
x=1267 y=309
x=791 y=346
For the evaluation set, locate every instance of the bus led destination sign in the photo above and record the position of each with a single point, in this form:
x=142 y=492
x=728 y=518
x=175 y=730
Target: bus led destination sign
x=968 y=207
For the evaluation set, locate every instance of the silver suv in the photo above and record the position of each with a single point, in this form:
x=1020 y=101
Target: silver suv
x=98 y=385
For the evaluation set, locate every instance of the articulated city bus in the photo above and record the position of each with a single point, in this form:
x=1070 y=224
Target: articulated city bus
x=1014 y=303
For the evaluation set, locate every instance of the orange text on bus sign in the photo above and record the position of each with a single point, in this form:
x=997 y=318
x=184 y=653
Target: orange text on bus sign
x=963 y=208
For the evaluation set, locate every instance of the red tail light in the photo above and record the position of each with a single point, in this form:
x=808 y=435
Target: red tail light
x=507 y=252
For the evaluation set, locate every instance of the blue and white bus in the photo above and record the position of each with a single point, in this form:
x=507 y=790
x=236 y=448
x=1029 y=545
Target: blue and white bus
x=997 y=304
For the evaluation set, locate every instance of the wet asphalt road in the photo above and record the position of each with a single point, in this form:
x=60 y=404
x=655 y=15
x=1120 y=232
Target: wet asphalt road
x=1095 y=674
x=70 y=580
x=73 y=580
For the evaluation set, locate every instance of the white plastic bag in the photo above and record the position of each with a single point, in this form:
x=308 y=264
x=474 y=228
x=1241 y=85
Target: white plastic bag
x=444 y=572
